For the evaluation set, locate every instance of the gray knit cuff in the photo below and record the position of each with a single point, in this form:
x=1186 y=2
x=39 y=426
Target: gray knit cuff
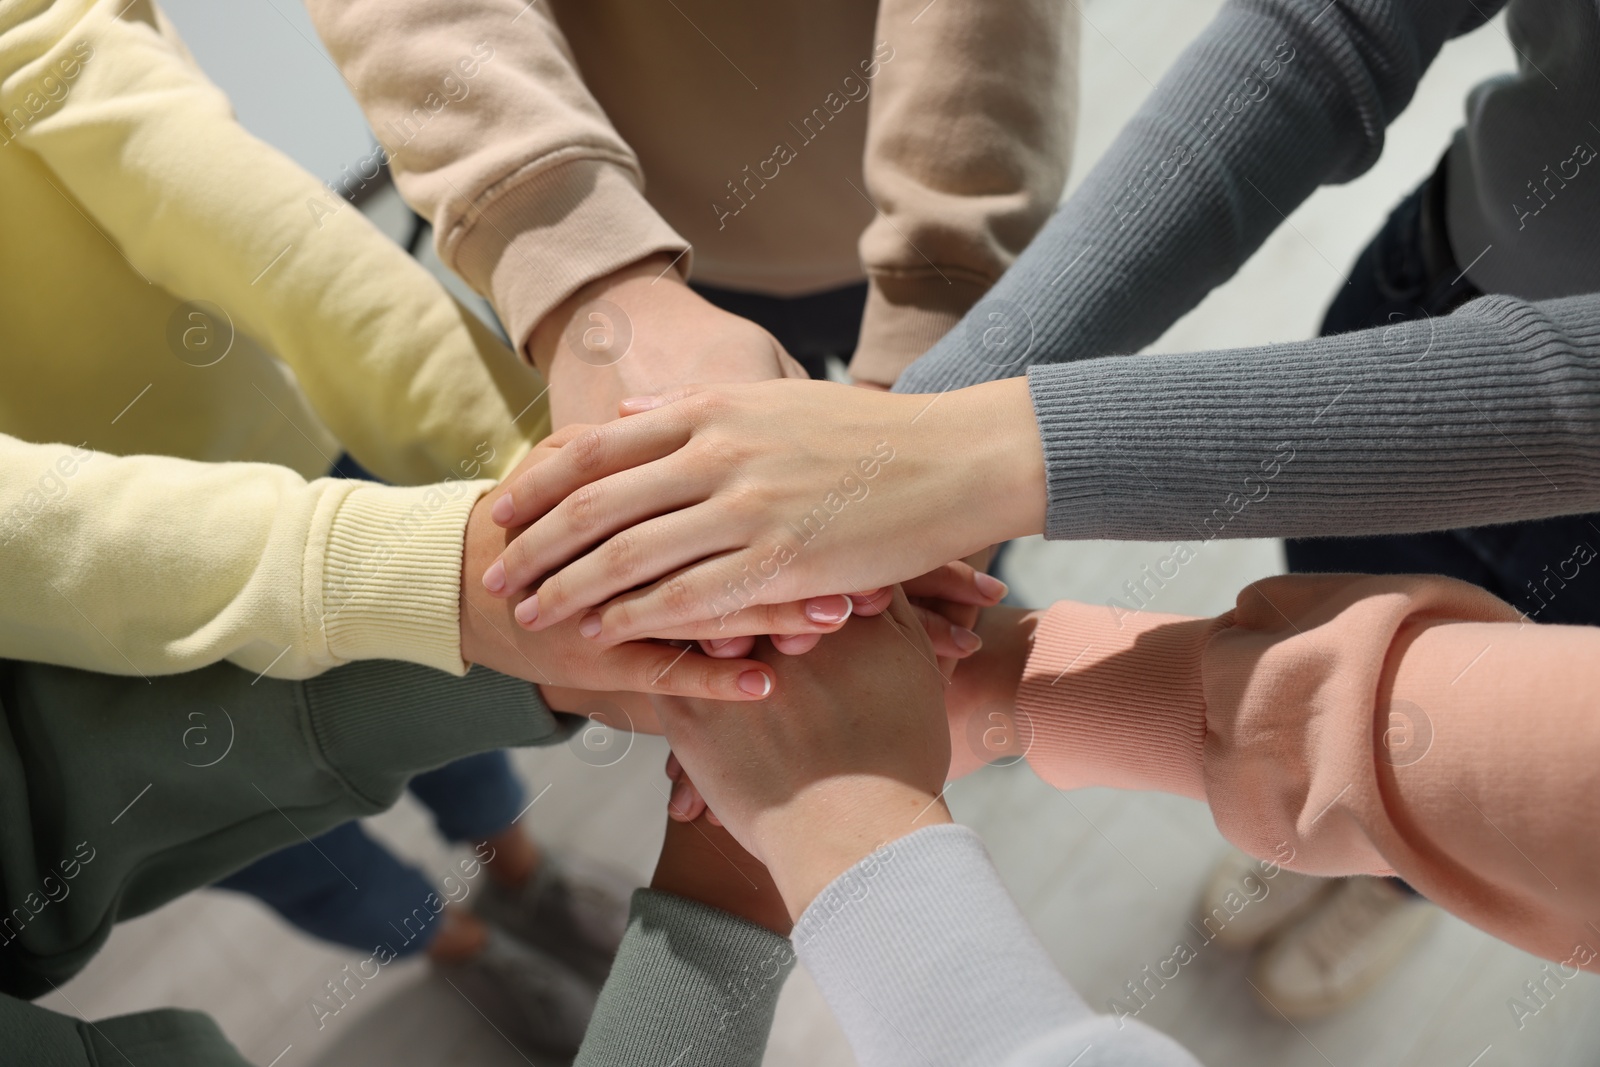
x=378 y=723
x=1488 y=415
x=692 y=986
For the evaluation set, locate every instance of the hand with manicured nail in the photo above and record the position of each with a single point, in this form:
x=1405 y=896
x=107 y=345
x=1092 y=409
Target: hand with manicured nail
x=560 y=657
x=739 y=497
x=850 y=751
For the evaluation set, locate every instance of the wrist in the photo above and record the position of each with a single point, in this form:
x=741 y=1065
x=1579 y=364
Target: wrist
x=561 y=335
x=484 y=620
x=830 y=827
x=1004 y=474
x=703 y=863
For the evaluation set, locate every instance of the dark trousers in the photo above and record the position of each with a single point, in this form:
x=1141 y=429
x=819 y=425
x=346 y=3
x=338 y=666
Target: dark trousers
x=810 y=327
x=1409 y=272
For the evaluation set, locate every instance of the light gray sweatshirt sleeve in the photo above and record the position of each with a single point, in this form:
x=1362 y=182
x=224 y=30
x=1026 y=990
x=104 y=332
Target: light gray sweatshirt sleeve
x=925 y=960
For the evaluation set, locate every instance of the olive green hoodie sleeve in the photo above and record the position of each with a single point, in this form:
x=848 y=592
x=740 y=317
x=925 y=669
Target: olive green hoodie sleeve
x=118 y=795
x=172 y=1038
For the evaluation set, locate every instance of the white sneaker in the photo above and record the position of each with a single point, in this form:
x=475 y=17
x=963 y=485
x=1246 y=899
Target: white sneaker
x=1343 y=948
x=1247 y=900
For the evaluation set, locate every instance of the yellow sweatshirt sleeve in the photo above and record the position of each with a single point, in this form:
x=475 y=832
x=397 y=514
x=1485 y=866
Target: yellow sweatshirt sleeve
x=407 y=379
x=146 y=565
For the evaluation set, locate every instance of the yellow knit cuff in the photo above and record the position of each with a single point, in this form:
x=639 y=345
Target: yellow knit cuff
x=391 y=575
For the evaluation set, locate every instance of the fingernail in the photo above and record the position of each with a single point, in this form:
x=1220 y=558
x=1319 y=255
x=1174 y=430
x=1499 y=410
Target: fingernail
x=990 y=586
x=590 y=626
x=965 y=639
x=828 y=610
x=720 y=643
x=494 y=579
x=527 y=612
x=756 y=683
x=635 y=404
x=680 y=798
x=503 y=509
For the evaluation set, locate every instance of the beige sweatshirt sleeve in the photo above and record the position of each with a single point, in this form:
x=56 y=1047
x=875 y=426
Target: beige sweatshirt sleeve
x=969 y=138
x=407 y=379
x=492 y=135
x=1344 y=724
x=150 y=565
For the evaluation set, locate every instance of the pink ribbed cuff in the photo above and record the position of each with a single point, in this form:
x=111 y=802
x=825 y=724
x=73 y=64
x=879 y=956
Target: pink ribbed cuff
x=1114 y=699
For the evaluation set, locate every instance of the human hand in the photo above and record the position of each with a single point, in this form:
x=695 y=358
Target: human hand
x=719 y=498
x=701 y=861
x=981 y=701
x=560 y=657
x=642 y=330
x=850 y=752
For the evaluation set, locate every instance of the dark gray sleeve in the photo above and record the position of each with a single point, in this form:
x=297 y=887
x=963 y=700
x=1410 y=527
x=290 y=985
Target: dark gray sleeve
x=1275 y=98
x=692 y=986
x=1488 y=415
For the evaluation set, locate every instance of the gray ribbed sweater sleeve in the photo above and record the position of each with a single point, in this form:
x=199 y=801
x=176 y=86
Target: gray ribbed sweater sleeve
x=1275 y=98
x=691 y=986
x=1488 y=415
x=925 y=960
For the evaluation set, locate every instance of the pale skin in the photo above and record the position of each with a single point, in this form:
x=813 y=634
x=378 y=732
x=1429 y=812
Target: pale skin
x=782 y=490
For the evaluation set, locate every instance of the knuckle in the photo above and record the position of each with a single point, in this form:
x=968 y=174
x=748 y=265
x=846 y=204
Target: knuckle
x=588 y=451
x=584 y=507
x=621 y=557
x=679 y=597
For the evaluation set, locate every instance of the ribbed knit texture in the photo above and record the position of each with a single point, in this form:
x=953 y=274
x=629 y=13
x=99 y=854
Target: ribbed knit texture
x=391 y=574
x=1483 y=417
x=691 y=986
x=1489 y=415
x=1113 y=698
x=925 y=960
x=379 y=723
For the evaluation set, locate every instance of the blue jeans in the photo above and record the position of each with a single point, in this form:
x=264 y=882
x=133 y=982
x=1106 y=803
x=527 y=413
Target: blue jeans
x=347 y=888
x=1408 y=272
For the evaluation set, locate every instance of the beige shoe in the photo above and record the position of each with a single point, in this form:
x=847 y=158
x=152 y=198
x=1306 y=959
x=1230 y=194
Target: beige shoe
x=1246 y=900
x=1344 y=947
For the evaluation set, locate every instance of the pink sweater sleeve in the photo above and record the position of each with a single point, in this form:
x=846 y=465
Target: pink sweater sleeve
x=1372 y=725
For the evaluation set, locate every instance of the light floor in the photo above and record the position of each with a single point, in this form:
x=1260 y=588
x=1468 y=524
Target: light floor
x=1108 y=879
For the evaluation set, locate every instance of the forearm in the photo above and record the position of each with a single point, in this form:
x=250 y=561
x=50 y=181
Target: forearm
x=150 y=565
x=407 y=379
x=1485 y=416
x=1273 y=100
x=925 y=959
x=197 y=772
x=1342 y=725
x=969 y=137
x=493 y=136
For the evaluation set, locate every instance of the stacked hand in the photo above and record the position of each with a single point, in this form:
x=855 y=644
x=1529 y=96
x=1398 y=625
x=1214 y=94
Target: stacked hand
x=727 y=498
x=849 y=753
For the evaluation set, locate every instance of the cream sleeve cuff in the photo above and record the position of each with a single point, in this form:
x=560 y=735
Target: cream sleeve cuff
x=391 y=573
